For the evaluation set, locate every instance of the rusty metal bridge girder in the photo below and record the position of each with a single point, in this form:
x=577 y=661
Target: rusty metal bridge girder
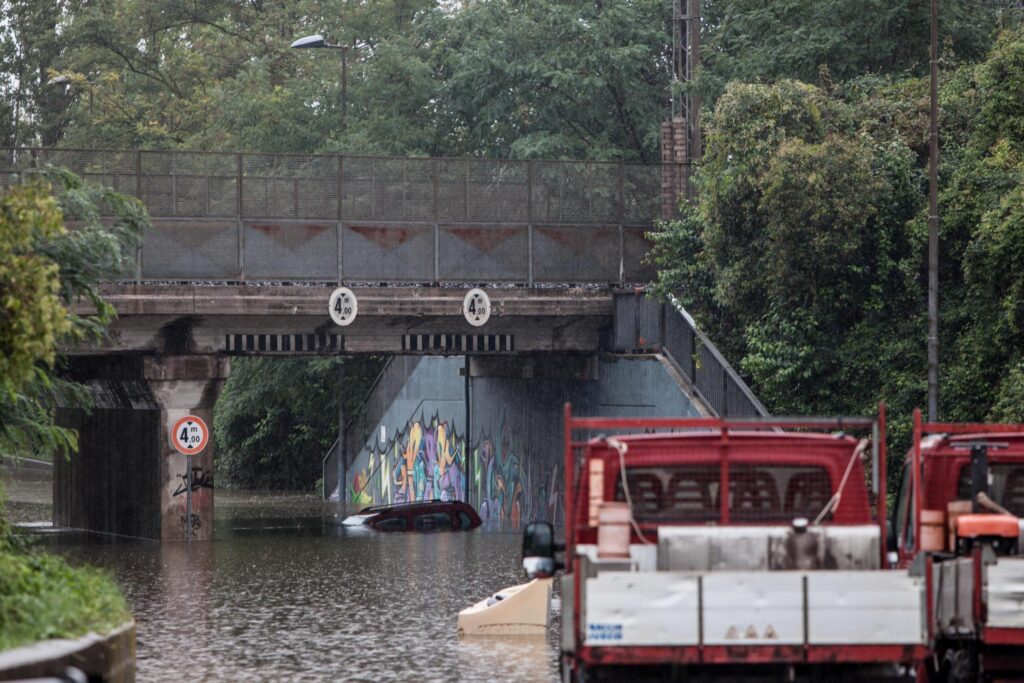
x=234 y=217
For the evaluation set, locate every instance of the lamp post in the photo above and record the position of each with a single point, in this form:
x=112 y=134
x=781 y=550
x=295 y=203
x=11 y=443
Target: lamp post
x=319 y=42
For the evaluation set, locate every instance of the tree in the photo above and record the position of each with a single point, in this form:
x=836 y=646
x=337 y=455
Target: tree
x=795 y=245
x=753 y=40
x=32 y=316
x=983 y=232
x=555 y=79
x=804 y=255
x=277 y=417
x=44 y=268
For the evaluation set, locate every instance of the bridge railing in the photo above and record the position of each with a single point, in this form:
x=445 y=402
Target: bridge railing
x=240 y=217
x=646 y=324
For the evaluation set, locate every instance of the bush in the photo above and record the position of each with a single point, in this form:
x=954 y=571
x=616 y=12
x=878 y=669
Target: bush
x=277 y=417
x=42 y=596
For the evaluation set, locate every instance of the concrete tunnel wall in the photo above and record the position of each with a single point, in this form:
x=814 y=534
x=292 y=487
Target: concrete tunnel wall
x=513 y=458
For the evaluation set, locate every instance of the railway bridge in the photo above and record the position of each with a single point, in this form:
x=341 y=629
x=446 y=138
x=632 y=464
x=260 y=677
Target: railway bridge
x=244 y=254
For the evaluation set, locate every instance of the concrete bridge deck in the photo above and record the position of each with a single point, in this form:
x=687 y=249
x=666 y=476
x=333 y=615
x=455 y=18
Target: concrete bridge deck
x=281 y=319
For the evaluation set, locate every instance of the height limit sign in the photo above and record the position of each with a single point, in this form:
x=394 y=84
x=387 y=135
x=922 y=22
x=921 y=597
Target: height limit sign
x=190 y=435
x=476 y=307
x=343 y=306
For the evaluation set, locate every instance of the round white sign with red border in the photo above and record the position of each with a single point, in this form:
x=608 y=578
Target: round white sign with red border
x=190 y=435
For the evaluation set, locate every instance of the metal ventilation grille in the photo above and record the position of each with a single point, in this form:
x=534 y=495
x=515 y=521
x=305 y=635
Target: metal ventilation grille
x=457 y=343
x=284 y=343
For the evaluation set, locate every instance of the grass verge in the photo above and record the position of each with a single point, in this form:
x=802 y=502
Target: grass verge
x=43 y=597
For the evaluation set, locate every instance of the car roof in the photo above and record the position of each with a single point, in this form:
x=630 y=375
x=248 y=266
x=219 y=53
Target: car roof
x=409 y=506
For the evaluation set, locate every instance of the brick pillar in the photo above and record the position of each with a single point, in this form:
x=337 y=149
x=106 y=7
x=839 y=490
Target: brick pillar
x=675 y=177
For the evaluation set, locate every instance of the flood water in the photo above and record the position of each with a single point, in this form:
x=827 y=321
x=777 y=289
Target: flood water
x=284 y=593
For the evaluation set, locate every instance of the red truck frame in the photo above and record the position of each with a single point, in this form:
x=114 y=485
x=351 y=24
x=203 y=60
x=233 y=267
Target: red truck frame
x=936 y=471
x=719 y=433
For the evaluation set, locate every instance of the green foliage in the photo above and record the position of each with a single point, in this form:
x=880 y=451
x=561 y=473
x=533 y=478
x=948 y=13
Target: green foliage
x=793 y=242
x=44 y=270
x=1009 y=404
x=753 y=40
x=494 y=78
x=555 y=79
x=983 y=232
x=32 y=317
x=277 y=417
x=43 y=597
x=804 y=256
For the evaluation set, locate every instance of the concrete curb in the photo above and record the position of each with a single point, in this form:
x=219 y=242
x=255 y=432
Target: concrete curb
x=109 y=657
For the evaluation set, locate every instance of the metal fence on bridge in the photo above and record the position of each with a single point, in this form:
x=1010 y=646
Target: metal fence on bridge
x=239 y=217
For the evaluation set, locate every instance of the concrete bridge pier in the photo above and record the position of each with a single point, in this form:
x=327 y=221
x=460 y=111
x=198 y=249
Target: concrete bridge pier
x=127 y=478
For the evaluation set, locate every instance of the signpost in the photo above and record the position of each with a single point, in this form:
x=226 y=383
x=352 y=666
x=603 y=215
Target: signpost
x=343 y=306
x=476 y=306
x=189 y=436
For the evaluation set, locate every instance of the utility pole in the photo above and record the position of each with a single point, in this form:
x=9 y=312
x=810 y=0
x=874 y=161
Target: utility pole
x=695 y=148
x=681 y=143
x=342 y=464
x=933 y=224
x=685 y=62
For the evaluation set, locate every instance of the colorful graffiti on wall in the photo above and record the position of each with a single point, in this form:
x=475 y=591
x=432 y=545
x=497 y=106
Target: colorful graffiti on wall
x=427 y=459
x=511 y=484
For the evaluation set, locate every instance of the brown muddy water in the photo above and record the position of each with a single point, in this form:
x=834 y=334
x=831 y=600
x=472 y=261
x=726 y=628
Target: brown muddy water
x=284 y=593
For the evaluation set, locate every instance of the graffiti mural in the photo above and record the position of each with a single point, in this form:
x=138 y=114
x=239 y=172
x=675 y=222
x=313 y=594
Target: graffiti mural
x=427 y=459
x=511 y=484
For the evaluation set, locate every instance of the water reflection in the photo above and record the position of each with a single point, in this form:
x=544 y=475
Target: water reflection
x=282 y=593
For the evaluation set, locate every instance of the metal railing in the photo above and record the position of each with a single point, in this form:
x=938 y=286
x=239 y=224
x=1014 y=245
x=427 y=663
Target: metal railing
x=240 y=216
x=645 y=324
x=360 y=427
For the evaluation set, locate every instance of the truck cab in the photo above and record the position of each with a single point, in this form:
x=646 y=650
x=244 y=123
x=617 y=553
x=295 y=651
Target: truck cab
x=957 y=522
x=729 y=547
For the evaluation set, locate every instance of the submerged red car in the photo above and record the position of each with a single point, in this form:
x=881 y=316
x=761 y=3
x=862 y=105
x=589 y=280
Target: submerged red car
x=424 y=515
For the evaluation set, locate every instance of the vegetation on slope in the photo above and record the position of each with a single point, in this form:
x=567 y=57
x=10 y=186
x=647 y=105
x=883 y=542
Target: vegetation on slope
x=804 y=254
x=42 y=596
x=43 y=269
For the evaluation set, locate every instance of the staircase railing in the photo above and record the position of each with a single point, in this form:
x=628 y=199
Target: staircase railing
x=359 y=427
x=644 y=324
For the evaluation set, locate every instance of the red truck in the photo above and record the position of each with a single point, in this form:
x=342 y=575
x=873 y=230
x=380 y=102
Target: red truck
x=956 y=523
x=782 y=576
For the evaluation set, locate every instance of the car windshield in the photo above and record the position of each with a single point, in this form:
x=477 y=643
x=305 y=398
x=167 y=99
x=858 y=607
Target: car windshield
x=757 y=492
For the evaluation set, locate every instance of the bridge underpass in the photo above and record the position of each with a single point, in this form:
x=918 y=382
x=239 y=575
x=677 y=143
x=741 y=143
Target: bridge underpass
x=242 y=259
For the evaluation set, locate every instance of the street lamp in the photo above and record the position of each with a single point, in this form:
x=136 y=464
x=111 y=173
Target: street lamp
x=318 y=41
